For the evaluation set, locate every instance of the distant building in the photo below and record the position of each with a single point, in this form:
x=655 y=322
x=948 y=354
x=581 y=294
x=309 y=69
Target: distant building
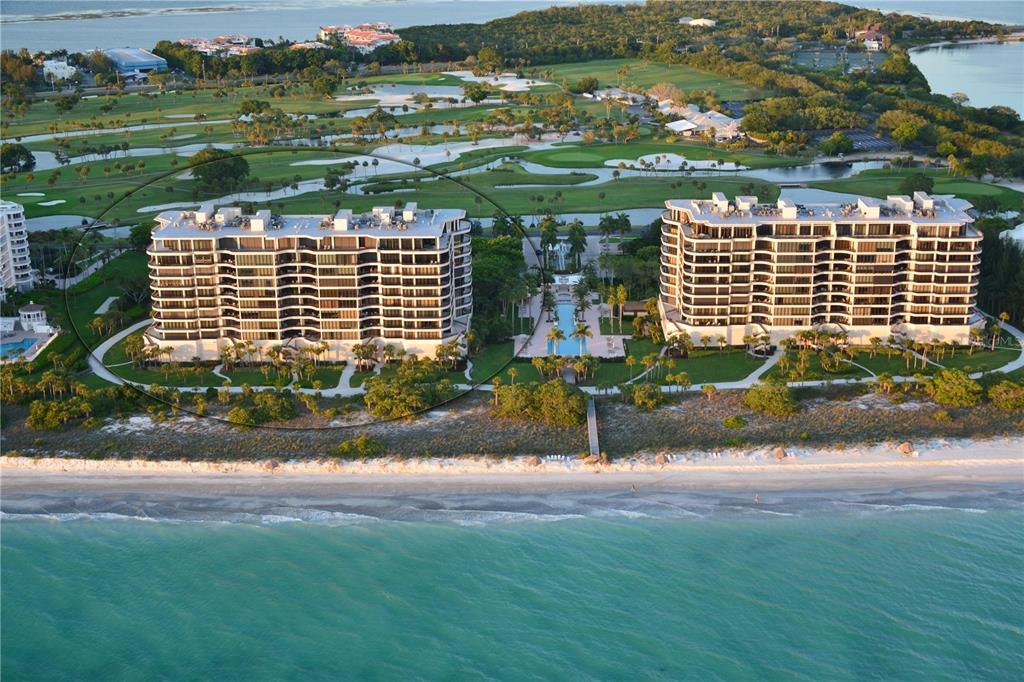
x=873 y=34
x=873 y=45
x=310 y=45
x=58 y=70
x=133 y=61
x=222 y=46
x=15 y=265
x=364 y=37
x=692 y=121
x=703 y=23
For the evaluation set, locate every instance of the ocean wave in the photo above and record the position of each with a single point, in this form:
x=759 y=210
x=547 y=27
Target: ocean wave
x=911 y=506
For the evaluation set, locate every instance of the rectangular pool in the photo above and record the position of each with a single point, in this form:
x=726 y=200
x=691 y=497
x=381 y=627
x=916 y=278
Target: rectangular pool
x=568 y=346
x=15 y=348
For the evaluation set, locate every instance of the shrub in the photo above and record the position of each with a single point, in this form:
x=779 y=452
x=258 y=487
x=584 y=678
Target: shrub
x=953 y=388
x=773 y=399
x=942 y=416
x=1007 y=395
x=241 y=416
x=360 y=447
x=553 y=402
x=734 y=422
x=646 y=396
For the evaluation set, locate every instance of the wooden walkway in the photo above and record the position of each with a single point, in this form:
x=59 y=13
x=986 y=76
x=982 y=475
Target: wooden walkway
x=595 y=448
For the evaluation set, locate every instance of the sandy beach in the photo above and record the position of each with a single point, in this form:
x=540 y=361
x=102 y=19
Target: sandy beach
x=384 y=488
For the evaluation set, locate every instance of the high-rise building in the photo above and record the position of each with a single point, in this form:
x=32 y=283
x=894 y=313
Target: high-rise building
x=15 y=264
x=870 y=268
x=391 y=276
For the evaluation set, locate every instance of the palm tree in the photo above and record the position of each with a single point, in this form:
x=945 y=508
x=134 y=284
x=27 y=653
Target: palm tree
x=554 y=335
x=705 y=339
x=512 y=374
x=582 y=332
x=630 y=361
x=709 y=391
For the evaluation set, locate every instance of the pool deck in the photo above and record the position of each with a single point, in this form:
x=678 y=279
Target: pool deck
x=40 y=341
x=600 y=345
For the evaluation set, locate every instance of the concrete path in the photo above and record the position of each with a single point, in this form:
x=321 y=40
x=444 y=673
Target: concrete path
x=105 y=306
x=344 y=390
x=217 y=371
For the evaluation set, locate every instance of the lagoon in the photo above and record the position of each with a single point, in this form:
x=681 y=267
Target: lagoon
x=989 y=73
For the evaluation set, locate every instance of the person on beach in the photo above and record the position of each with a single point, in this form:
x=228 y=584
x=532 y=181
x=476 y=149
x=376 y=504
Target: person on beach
x=632 y=487
x=757 y=499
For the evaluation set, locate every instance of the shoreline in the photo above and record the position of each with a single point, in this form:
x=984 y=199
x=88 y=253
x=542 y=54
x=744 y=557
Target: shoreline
x=934 y=461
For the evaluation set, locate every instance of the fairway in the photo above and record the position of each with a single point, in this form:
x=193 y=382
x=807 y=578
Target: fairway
x=645 y=74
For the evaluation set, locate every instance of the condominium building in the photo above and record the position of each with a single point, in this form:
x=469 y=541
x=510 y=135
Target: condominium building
x=15 y=264
x=872 y=268
x=391 y=276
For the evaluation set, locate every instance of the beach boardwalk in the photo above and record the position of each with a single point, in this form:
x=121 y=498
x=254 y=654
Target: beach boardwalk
x=595 y=448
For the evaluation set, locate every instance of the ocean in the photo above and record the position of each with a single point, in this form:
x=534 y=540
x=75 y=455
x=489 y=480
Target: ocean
x=840 y=587
x=82 y=25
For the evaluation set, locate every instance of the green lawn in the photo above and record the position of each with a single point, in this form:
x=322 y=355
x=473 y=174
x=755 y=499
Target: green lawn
x=617 y=371
x=815 y=372
x=575 y=155
x=489 y=360
x=187 y=377
x=894 y=365
x=981 y=360
x=645 y=74
x=882 y=182
x=712 y=366
x=525 y=372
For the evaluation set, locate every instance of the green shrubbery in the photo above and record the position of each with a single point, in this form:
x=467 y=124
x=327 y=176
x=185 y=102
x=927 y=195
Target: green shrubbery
x=734 y=422
x=554 y=402
x=645 y=396
x=1007 y=395
x=953 y=388
x=773 y=399
x=415 y=386
x=360 y=447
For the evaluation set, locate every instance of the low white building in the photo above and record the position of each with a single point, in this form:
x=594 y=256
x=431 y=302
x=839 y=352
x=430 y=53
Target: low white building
x=58 y=70
x=690 y=120
x=701 y=23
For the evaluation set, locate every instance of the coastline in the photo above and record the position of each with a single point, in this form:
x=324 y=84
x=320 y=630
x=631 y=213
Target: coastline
x=29 y=483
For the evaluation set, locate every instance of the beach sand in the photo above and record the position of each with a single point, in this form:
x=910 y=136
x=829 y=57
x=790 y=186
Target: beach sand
x=414 y=488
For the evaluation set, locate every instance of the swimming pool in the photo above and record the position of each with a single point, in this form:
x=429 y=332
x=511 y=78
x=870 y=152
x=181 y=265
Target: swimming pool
x=568 y=346
x=16 y=348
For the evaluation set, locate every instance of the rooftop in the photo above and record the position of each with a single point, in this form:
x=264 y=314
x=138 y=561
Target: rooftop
x=381 y=221
x=129 y=56
x=745 y=210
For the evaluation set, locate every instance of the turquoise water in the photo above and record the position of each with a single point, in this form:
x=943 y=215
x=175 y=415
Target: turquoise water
x=566 y=322
x=15 y=348
x=863 y=592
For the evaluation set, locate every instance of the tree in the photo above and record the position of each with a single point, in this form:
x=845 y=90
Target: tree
x=918 y=182
x=16 y=157
x=953 y=388
x=581 y=333
x=1007 y=395
x=218 y=169
x=905 y=133
x=838 y=143
x=771 y=398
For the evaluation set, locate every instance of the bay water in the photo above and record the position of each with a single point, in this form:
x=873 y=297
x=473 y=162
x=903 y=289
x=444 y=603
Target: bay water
x=886 y=589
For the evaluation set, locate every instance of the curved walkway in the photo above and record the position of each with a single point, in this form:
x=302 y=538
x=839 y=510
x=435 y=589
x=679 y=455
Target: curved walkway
x=343 y=389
